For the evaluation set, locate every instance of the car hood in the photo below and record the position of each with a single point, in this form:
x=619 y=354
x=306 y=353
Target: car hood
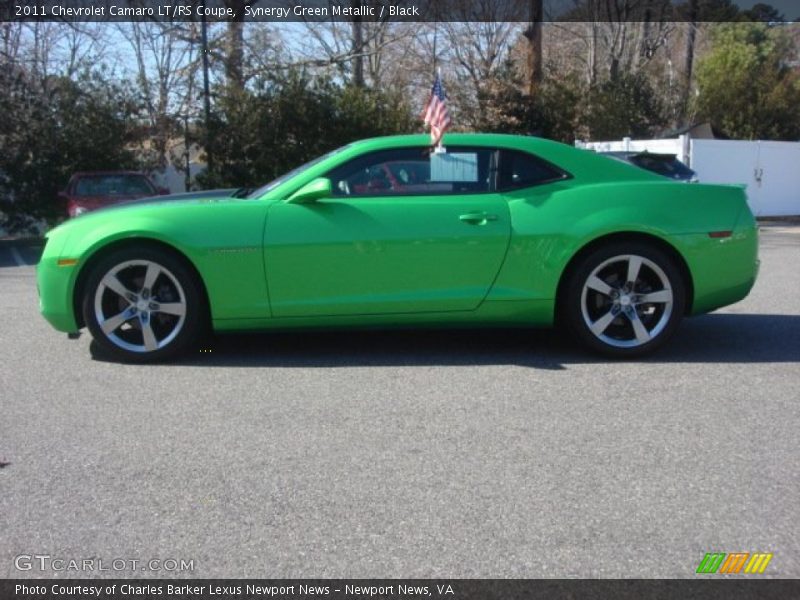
x=189 y=198
x=95 y=202
x=219 y=194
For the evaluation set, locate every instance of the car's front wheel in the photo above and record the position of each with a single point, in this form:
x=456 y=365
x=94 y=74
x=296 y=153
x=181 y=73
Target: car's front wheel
x=624 y=299
x=142 y=304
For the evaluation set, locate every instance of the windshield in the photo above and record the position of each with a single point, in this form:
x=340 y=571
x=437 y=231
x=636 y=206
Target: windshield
x=113 y=185
x=296 y=171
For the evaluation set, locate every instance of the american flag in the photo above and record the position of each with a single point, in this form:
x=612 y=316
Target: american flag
x=436 y=114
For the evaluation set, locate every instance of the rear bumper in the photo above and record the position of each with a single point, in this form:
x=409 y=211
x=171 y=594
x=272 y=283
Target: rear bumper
x=724 y=270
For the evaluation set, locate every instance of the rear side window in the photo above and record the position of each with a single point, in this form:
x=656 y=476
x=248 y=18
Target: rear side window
x=415 y=171
x=520 y=170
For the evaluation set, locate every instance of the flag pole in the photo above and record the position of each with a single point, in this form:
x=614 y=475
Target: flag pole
x=439 y=149
x=437 y=70
x=435 y=35
x=435 y=106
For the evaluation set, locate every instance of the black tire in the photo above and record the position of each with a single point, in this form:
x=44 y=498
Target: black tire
x=614 y=311
x=171 y=311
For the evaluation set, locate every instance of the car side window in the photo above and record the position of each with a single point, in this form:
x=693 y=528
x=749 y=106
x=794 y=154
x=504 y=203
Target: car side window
x=520 y=170
x=414 y=171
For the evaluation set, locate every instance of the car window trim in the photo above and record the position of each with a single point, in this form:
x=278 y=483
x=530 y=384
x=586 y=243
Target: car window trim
x=492 y=171
x=563 y=175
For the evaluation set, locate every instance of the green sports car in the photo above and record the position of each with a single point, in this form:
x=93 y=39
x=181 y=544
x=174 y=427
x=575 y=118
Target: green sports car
x=490 y=229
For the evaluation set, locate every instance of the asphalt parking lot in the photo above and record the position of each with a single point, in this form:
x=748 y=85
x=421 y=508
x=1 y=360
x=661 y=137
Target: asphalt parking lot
x=407 y=454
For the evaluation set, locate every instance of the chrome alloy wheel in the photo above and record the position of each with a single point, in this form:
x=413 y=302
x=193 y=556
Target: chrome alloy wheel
x=140 y=306
x=627 y=301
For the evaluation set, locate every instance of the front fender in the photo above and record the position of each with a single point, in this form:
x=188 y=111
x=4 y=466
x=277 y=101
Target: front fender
x=221 y=240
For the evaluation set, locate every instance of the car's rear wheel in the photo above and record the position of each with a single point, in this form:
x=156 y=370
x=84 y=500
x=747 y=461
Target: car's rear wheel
x=142 y=305
x=624 y=299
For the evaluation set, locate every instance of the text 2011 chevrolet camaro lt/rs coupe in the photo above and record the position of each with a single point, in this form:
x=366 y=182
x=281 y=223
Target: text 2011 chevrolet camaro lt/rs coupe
x=491 y=229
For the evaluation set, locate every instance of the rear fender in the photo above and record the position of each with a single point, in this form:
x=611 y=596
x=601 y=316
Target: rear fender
x=552 y=224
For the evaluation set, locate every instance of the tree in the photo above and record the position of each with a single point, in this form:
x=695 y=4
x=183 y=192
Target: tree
x=292 y=119
x=355 y=48
x=533 y=35
x=476 y=54
x=553 y=112
x=746 y=89
x=695 y=15
x=691 y=37
x=52 y=128
x=234 y=44
x=764 y=13
x=165 y=73
x=625 y=106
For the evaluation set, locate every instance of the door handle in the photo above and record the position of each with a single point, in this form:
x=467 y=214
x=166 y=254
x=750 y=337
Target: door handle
x=477 y=218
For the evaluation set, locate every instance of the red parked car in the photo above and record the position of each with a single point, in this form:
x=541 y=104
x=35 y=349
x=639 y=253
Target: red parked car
x=92 y=190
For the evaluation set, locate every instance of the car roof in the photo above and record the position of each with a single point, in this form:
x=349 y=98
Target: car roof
x=461 y=139
x=587 y=165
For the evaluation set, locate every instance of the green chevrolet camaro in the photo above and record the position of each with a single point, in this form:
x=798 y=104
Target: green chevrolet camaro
x=490 y=229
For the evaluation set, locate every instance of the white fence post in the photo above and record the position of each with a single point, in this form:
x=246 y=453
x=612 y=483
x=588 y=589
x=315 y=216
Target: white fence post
x=685 y=155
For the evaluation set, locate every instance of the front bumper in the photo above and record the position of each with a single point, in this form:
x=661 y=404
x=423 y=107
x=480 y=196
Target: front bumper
x=55 y=285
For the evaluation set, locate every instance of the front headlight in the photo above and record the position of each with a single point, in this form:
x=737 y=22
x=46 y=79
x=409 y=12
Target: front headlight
x=79 y=211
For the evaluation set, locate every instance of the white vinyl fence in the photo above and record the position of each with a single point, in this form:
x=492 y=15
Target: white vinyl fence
x=771 y=170
x=680 y=146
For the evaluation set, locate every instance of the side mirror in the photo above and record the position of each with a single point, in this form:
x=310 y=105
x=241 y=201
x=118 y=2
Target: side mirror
x=162 y=191
x=312 y=191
